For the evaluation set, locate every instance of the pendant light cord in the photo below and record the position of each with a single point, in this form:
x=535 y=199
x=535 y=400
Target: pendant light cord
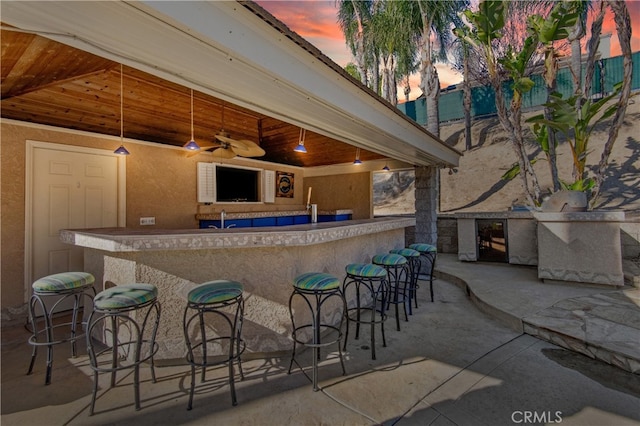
x=121 y=108
x=192 y=114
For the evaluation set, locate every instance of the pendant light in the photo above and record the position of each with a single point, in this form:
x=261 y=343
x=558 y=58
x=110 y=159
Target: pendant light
x=357 y=161
x=386 y=167
x=121 y=149
x=192 y=145
x=300 y=147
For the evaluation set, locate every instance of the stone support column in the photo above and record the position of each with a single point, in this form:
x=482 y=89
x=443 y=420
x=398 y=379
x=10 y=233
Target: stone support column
x=426 y=185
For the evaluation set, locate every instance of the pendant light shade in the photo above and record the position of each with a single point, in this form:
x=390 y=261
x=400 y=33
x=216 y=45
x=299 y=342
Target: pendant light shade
x=192 y=145
x=386 y=168
x=121 y=150
x=357 y=161
x=300 y=147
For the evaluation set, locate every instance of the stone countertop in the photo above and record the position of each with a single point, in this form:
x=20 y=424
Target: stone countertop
x=137 y=240
x=588 y=216
x=495 y=215
x=251 y=215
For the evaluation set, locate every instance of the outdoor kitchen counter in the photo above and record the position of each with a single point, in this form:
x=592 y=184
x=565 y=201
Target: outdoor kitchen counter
x=132 y=240
x=265 y=260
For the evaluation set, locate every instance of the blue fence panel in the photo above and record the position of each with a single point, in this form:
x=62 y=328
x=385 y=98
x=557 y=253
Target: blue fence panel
x=608 y=73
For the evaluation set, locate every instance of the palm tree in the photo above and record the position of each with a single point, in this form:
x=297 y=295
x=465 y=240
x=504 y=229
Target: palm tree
x=481 y=30
x=623 y=29
x=353 y=17
x=397 y=48
x=434 y=19
x=462 y=54
x=575 y=36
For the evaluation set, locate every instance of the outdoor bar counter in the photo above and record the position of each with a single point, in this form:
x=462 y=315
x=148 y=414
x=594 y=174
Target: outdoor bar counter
x=265 y=260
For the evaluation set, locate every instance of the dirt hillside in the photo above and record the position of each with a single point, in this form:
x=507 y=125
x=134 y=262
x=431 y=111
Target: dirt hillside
x=477 y=185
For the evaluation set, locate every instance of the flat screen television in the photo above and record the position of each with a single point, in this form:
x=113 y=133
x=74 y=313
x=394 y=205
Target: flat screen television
x=235 y=184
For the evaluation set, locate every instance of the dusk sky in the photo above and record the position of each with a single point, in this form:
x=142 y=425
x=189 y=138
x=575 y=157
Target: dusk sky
x=316 y=22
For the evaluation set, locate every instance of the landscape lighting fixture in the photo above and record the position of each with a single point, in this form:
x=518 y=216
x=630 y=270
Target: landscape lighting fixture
x=300 y=147
x=192 y=145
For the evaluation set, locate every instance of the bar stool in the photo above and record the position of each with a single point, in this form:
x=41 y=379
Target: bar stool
x=316 y=288
x=222 y=300
x=63 y=286
x=116 y=316
x=373 y=279
x=413 y=262
x=429 y=253
x=398 y=275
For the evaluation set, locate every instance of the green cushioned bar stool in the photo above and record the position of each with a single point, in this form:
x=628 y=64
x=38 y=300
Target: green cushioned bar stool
x=428 y=253
x=213 y=330
x=398 y=276
x=365 y=287
x=118 y=337
x=413 y=262
x=316 y=289
x=57 y=289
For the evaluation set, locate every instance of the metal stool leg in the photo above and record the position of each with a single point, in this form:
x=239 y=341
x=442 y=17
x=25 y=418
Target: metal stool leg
x=316 y=289
x=359 y=280
x=207 y=301
x=37 y=301
x=111 y=310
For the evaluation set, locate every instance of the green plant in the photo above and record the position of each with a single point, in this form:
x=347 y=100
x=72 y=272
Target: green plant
x=576 y=124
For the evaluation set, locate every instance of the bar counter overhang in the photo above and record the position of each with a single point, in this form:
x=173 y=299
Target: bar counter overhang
x=265 y=260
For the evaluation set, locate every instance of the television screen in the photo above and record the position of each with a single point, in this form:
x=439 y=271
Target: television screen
x=237 y=185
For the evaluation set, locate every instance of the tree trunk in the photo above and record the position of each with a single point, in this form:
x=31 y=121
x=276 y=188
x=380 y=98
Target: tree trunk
x=466 y=93
x=623 y=28
x=516 y=143
x=576 y=35
x=592 y=50
x=432 y=97
x=550 y=73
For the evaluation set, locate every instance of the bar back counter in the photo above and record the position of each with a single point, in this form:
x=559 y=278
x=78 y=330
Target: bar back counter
x=264 y=259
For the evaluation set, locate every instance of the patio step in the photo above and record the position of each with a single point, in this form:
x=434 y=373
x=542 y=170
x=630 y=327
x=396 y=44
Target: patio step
x=600 y=323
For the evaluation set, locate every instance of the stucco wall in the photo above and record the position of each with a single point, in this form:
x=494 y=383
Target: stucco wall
x=345 y=191
x=160 y=182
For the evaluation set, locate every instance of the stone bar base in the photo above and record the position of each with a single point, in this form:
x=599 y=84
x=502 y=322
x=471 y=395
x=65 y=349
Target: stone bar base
x=264 y=261
x=580 y=247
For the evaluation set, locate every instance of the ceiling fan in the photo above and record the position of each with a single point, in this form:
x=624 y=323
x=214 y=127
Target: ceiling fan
x=229 y=148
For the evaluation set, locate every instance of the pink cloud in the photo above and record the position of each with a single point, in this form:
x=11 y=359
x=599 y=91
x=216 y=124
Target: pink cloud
x=316 y=22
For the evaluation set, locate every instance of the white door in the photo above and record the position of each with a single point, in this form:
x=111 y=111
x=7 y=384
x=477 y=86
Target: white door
x=75 y=188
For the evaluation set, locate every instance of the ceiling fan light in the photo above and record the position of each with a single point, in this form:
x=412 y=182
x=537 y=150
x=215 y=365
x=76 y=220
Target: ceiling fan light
x=121 y=150
x=192 y=145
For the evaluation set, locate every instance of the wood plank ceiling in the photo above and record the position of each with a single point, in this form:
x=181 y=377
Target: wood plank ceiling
x=47 y=82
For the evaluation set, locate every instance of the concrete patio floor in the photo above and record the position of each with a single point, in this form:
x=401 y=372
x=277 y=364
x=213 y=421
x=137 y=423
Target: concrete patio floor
x=461 y=360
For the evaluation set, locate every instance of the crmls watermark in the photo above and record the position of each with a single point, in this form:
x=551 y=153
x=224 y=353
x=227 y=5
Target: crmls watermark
x=536 y=417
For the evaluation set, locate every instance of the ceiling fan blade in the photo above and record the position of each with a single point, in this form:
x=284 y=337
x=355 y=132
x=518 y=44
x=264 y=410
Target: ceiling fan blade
x=247 y=148
x=224 y=153
x=224 y=138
